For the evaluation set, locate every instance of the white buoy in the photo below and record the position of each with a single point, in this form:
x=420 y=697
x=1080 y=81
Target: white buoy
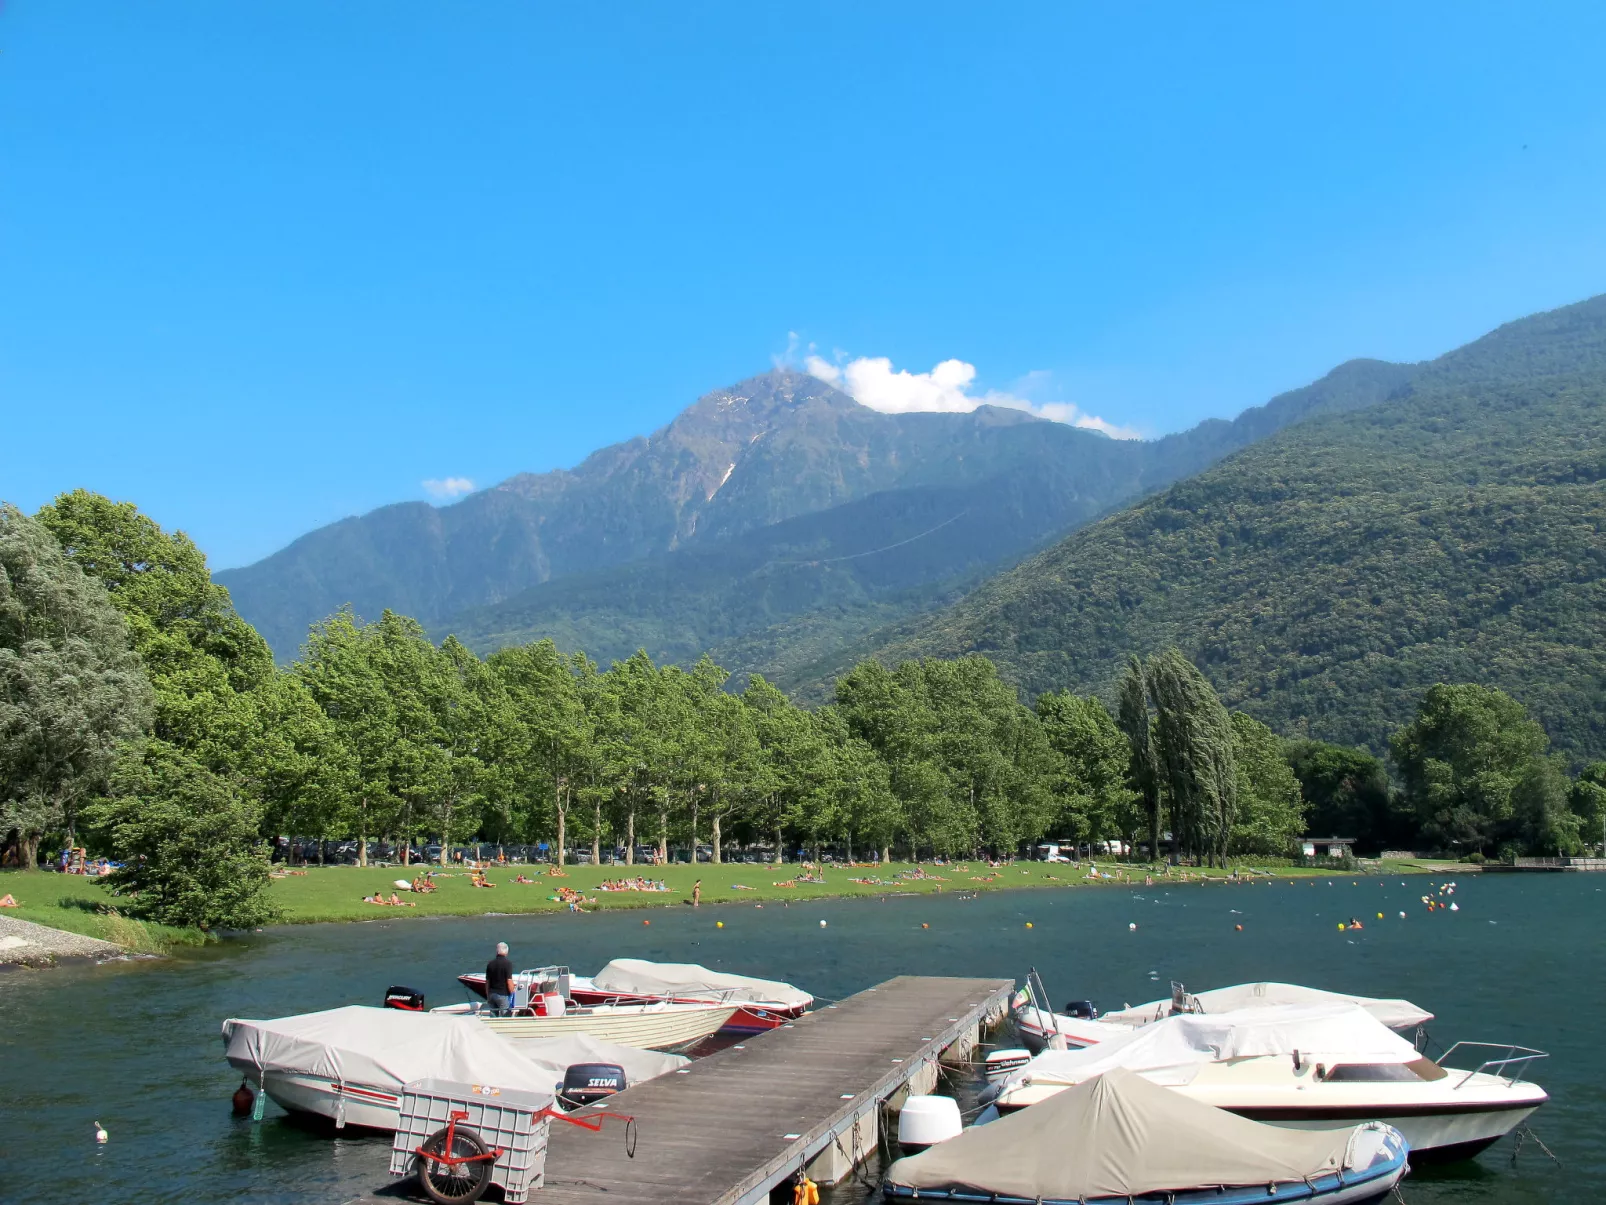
x=822 y=924
x=100 y=1133
x=1455 y=907
x=1132 y=926
x=1402 y=916
x=925 y=1121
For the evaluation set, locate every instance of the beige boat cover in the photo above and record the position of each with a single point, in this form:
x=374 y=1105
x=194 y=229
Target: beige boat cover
x=1171 y=1051
x=1396 y=1014
x=688 y=981
x=1119 y=1136
x=387 y=1048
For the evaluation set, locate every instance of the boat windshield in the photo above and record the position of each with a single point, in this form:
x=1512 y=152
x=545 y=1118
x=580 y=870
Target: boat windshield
x=1356 y=1073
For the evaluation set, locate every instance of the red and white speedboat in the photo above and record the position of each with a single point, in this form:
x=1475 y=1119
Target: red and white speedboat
x=761 y=1003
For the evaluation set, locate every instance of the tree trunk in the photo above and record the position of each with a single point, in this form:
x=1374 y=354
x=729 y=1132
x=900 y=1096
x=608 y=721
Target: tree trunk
x=886 y=854
x=362 y=837
x=563 y=816
x=694 y=828
x=716 y=839
x=663 y=835
x=630 y=837
x=780 y=853
x=28 y=849
x=596 y=835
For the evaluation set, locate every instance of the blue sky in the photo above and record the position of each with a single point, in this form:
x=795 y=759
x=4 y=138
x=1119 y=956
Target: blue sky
x=266 y=264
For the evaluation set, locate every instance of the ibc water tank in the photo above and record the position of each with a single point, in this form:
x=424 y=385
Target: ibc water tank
x=926 y=1121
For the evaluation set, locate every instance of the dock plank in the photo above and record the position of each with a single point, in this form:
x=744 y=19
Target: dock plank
x=746 y=1117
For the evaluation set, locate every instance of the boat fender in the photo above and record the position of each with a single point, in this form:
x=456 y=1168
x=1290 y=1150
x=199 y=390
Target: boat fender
x=243 y=1099
x=1296 y=1060
x=806 y=1192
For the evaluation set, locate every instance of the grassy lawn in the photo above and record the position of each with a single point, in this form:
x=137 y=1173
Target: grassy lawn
x=80 y=905
x=336 y=893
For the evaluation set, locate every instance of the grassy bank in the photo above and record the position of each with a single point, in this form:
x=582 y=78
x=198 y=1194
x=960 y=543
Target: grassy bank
x=336 y=893
x=80 y=905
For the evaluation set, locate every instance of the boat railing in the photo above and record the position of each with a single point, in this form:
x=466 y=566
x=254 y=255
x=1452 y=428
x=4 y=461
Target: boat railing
x=1512 y=1067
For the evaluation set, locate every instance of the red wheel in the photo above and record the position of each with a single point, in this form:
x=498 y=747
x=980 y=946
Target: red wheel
x=454 y=1184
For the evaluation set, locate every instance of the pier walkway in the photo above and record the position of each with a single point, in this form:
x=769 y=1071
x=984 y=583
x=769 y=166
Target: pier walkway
x=731 y=1126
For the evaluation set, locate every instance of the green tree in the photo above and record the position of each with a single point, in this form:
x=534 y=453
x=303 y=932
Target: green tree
x=1095 y=802
x=1143 y=760
x=188 y=843
x=341 y=673
x=1194 y=740
x=71 y=689
x=1460 y=760
x=1587 y=799
x=1271 y=809
x=1347 y=794
x=1545 y=824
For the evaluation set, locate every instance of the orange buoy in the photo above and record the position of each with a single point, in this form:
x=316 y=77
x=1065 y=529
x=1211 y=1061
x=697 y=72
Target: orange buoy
x=243 y=1099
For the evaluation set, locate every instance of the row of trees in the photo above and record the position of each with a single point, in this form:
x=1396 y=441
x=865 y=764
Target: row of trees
x=137 y=707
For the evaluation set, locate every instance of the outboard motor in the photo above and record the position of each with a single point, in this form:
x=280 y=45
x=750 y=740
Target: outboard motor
x=1001 y=1062
x=408 y=999
x=925 y=1121
x=587 y=1083
x=1082 y=1010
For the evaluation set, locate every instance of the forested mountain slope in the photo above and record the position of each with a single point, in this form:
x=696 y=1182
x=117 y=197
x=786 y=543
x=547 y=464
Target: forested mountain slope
x=1326 y=577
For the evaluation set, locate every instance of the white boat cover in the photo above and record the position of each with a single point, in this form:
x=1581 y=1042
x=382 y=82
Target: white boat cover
x=688 y=981
x=387 y=1048
x=1396 y=1014
x=1119 y=1136
x=1172 y=1051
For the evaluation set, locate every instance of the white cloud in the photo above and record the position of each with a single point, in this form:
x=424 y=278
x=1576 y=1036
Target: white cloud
x=448 y=487
x=872 y=381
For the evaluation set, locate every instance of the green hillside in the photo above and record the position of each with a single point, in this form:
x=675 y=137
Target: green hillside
x=1325 y=577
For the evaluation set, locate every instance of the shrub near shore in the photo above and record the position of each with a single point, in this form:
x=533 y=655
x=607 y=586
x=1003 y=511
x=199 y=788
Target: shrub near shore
x=335 y=893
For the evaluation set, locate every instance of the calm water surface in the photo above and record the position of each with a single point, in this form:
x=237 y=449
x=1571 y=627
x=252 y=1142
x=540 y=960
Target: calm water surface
x=135 y=1045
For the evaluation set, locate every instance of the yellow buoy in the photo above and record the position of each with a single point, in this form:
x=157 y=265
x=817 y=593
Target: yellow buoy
x=1028 y=924
x=1341 y=926
x=719 y=924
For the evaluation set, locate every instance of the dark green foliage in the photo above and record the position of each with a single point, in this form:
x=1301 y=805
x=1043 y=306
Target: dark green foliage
x=1194 y=744
x=1468 y=760
x=1327 y=577
x=1348 y=795
x=71 y=689
x=188 y=841
x=1271 y=807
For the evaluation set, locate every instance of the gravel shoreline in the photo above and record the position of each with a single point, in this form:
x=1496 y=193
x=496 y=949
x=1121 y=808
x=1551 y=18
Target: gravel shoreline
x=23 y=943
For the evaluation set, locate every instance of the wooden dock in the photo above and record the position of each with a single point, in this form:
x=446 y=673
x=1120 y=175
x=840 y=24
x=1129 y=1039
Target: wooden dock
x=730 y=1127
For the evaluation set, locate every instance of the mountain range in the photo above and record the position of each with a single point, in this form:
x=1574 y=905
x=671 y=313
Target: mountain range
x=777 y=501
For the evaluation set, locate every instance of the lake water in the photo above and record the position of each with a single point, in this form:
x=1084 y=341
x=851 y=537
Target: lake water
x=135 y=1045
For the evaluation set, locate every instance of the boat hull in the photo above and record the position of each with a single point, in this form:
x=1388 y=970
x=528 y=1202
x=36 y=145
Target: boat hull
x=344 y=1104
x=748 y=1018
x=648 y=1027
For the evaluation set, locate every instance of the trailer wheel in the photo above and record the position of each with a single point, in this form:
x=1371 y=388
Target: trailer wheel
x=454 y=1184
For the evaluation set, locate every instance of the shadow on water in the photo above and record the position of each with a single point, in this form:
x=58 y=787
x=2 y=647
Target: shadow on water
x=135 y=1045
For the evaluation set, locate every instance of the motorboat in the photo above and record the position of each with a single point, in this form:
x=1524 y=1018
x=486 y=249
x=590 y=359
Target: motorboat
x=350 y=1064
x=1323 y=1066
x=656 y=1025
x=761 y=1003
x=1119 y=1138
x=1081 y=1025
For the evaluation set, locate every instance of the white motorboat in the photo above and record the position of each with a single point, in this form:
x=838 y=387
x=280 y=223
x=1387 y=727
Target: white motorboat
x=1081 y=1025
x=1119 y=1139
x=660 y=1025
x=350 y=1064
x=762 y=1003
x=1308 y=1067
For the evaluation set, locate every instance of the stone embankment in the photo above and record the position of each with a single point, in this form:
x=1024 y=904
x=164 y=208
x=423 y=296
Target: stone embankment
x=23 y=943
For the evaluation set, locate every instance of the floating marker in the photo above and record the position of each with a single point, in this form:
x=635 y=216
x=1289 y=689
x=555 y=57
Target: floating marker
x=923 y=925
x=1240 y=928
x=1028 y=924
x=719 y=924
x=822 y=924
x=1132 y=927
x=1402 y=916
x=646 y=922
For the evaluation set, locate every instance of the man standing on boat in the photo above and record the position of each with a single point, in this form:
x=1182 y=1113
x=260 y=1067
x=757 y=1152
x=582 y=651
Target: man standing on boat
x=499 y=981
